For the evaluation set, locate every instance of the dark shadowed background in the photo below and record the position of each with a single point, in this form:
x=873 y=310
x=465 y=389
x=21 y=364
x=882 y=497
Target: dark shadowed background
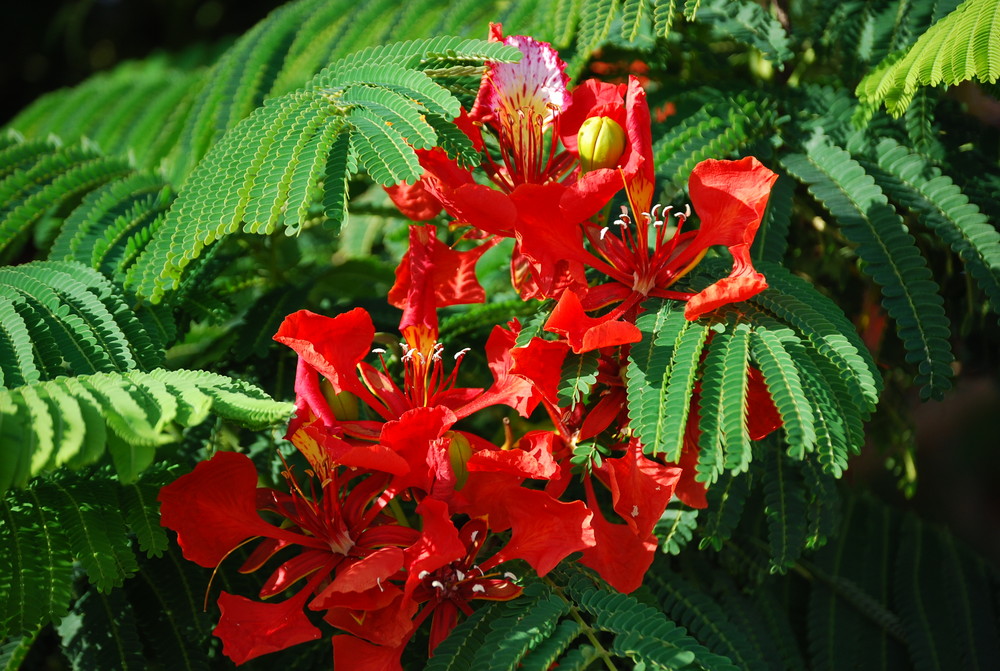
x=47 y=44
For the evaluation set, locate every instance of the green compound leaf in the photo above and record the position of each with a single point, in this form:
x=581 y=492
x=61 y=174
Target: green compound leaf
x=129 y=414
x=910 y=294
x=289 y=161
x=959 y=47
x=579 y=375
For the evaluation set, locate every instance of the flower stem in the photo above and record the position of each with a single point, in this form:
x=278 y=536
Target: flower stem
x=587 y=629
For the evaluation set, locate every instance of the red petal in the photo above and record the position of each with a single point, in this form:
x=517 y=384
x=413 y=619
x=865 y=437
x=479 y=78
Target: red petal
x=296 y=568
x=586 y=334
x=213 y=509
x=544 y=530
x=250 y=629
x=531 y=459
x=484 y=496
x=413 y=437
x=414 y=200
x=742 y=284
x=391 y=626
x=343 y=453
x=359 y=585
x=690 y=491
x=640 y=488
x=619 y=556
x=432 y=275
x=541 y=362
x=474 y=204
x=730 y=198
x=439 y=544
x=510 y=389
x=358 y=655
x=443 y=621
x=762 y=414
x=639 y=172
x=552 y=242
x=333 y=346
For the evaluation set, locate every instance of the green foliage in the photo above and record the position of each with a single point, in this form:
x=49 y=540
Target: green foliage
x=561 y=618
x=706 y=620
x=73 y=420
x=296 y=152
x=87 y=519
x=940 y=205
x=719 y=129
x=62 y=317
x=820 y=378
x=910 y=294
x=959 y=47
x=661 y=378
x=37 y=176
x=136 y=110
x=676 y=526
x=748 y=23
x=579 y=375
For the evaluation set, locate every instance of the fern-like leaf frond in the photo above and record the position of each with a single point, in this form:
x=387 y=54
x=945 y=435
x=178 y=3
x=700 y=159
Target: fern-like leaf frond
x=910 y=294
x=276 y=168
x=69 y=421
x=963 y=45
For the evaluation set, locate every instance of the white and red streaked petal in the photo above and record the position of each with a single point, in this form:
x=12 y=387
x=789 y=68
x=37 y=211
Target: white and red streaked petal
x=536 y=85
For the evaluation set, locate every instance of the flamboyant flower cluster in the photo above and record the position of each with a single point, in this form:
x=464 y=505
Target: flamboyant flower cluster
x=403 y=516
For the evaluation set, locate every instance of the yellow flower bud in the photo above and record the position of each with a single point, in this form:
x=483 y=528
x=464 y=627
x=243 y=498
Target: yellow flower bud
x=601 y=142
x=459 y=451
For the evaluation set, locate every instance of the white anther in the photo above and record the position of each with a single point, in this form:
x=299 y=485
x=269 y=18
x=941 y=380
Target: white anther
x=687 y=210
x=378 y=350
x=604 y=231
x=423 y=574
x=458 y=355
x=509 y=576
x=624 y=211
x=378 y=581
x=474 y=536
x=653 y=211
x=459 y=575
x=635 y=511
x=436 y=356
x=478 y=589
x=476 y=567
x=437 y=584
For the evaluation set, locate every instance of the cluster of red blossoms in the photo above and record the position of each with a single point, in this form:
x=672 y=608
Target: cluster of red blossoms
x=402 y=518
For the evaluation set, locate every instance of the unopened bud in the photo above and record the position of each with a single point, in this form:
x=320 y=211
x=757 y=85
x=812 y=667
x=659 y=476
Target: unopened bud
x=601 y=142
x=344 y=404
x=459 y=451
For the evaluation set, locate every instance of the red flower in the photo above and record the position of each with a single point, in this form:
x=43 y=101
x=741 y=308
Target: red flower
x=729 y=197
x=443 y=572
x=339 y=534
